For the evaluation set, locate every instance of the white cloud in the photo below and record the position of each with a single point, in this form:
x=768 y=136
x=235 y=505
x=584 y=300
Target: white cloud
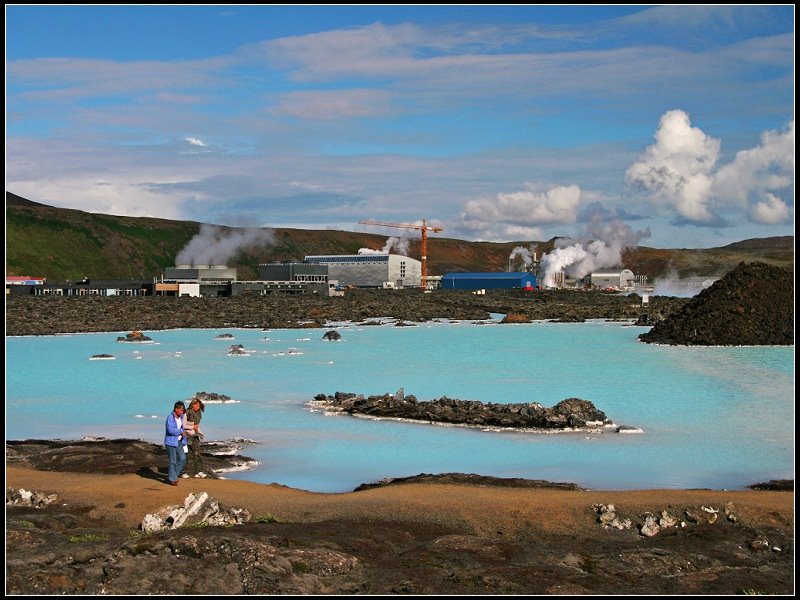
x=680 y=172
x=522 y=209
x=195 y=142
x=767 y=167
x=333 y=104
x=676 y=169
x=770 y=211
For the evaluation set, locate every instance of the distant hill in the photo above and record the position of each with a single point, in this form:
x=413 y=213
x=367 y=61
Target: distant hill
x=66 y=244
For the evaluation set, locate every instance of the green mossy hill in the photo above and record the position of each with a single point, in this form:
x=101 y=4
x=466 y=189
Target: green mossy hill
x=67 y=245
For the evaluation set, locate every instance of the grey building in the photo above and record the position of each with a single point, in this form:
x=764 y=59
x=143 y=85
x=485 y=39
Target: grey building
x=196 y=280
x=287 y=277
x=374 y=270
x=91 y=287
x=207 y=273
x=293 y=271
x=618 y=280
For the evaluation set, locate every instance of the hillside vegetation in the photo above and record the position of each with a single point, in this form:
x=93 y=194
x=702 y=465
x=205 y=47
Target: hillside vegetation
x=65 y=244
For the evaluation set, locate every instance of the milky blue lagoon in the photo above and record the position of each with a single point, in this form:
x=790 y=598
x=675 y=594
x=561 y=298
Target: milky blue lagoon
x=718 y=417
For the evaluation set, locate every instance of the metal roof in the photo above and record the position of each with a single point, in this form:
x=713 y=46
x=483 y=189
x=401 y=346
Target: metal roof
x=499 y=275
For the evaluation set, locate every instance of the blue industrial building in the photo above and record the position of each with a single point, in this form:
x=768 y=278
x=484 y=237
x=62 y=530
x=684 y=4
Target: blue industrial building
x=488 y=281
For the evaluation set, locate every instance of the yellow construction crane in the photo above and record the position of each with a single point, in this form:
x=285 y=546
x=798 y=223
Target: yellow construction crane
x=424 y=229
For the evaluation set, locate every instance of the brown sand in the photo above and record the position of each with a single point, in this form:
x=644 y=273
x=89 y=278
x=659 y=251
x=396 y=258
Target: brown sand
x=483 y=510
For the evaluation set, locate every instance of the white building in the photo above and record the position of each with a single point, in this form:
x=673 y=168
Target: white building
x=376 y=270
x=618 y=280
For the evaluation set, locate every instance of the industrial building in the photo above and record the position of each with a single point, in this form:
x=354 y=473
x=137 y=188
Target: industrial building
x=616 y=280
x=288 y=277
x=196 y=280
x=373 y=270
x=85 y=287
x=488 y=281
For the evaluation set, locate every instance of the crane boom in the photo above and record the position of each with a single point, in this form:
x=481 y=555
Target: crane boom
x=424 y=228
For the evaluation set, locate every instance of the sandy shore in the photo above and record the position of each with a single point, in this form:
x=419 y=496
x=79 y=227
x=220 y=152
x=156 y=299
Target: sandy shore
x=405 y=538
x=483 y=510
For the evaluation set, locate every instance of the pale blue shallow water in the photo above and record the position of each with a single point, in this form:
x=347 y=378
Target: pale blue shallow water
x=719 y=417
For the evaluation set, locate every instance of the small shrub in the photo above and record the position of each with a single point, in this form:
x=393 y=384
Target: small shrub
x=268 y=518
x=300 y=568
x=88 y=537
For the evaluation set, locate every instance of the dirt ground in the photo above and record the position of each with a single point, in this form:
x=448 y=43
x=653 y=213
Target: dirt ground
x=411 y=538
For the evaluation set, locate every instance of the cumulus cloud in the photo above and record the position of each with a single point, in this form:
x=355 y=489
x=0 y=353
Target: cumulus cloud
x=677 y=168
x=522 y=212
x=770 y=211
x=680 y=171
x=757 y=171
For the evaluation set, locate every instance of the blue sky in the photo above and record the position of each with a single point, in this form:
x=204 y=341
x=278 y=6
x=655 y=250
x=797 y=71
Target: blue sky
x=664 y=126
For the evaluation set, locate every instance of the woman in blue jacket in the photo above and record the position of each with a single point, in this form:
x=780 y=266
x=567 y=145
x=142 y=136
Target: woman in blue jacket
x=175 y=441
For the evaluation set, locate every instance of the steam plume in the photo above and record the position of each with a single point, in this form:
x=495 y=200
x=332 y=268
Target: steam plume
x=577 y=258
x=528 y=256
x=215 y=245
x=400 y=246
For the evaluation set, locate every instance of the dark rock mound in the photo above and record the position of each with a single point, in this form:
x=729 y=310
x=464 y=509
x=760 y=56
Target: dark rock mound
x=117 y=456
x=572 y=413
x=775 y=485
x=471 y=479
x=753 y=305
x=206 y=397
x=332 y=336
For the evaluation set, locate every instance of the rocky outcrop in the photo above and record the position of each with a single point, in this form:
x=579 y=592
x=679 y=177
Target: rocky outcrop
x=471 y=479
x=753 y=305
x=134 y=336
x=197 y=510
x=516 y=318
x=572 y=413
x=210 y=397
x=101 y=455
x=332 y=336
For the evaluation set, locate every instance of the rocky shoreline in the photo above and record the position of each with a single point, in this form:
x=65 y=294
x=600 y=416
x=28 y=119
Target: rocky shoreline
x=120 y=532
x=751 y=305
x=571 y=414
x=48 y=315
x=102 y=455
x=450 y=533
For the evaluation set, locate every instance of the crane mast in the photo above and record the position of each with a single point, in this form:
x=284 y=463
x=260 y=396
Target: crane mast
x=424 y=229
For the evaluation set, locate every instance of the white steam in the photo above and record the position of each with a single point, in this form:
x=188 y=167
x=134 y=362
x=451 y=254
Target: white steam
x=527 y=255
x=601 y=248
x=671 y=284
x=398 y=244
x=215 y=245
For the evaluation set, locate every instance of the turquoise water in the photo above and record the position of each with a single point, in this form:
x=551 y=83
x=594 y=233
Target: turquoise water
x=710 y=417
